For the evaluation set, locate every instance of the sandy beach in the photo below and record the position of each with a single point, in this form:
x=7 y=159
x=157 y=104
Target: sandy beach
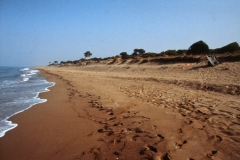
x=132 y=111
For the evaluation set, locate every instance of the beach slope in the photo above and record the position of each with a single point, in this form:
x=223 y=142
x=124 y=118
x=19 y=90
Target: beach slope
x=171 y=111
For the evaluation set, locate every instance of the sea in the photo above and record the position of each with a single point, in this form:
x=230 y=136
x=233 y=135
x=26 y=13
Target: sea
x=19 y=90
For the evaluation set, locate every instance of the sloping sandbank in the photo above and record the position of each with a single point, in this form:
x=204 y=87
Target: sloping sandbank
x=171 y=111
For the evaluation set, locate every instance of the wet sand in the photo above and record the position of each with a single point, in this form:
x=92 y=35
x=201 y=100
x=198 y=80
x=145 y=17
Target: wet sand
x=149 y=111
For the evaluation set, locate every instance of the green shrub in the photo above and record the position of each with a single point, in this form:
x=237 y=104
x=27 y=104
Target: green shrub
x=124 y=55
x=171 y=52
x=149 y=54
x=96 y=59
x=198 y=47
x=181 y=51
x=232 y=47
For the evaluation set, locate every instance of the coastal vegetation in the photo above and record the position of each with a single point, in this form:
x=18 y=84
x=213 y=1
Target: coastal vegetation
x=87 y=54
x=194 y=53
x=198 y=48
x=232 y=47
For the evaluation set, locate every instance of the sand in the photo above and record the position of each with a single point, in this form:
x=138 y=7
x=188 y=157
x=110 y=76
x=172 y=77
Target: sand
x=148 y=111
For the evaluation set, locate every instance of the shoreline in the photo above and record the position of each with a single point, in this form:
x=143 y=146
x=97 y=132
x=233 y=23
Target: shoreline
x=108 y=111
x=14 y=125
x=38 y=127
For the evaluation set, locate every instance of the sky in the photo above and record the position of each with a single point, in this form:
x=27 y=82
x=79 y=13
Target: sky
x=36 y=32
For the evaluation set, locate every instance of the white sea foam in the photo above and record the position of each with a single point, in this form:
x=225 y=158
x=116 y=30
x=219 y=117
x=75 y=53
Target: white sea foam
x=24 y=69
x=27 y=74
x=34 y=71
x=6 y=126
x=25 y=79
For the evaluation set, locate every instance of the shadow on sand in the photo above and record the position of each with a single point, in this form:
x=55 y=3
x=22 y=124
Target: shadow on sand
x=198 y=67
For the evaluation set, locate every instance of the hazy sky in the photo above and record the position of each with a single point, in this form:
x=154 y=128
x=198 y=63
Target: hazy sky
x=36 y=32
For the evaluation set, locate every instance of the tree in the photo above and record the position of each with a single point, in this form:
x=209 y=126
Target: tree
x=198 y=47
x=134 y=54
x=55 y=62
x=138 y=52
x=141 y=51
x=124 y=55
x=87 y=54
x=228 y=48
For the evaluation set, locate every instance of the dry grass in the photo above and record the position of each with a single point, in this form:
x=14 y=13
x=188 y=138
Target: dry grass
x=116 y=59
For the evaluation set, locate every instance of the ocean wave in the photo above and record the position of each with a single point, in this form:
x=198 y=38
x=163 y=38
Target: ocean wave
x=8 y=83
x=27 y=73
x=24 y=69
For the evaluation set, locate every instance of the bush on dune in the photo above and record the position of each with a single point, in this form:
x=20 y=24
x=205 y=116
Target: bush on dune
x=198 y=48
x=232 y=47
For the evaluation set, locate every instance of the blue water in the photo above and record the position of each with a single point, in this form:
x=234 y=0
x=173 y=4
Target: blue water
x=19 y=89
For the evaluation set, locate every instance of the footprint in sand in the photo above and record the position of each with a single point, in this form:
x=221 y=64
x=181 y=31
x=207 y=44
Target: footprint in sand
x=151 y=148
x=215 y=139
x=180 y=130
x=161 y=138
x=212 y=153
x=154 y=127
x=166 y=157
x=179 y=145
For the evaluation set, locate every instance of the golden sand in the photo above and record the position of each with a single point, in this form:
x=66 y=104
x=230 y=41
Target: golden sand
x=174 y=111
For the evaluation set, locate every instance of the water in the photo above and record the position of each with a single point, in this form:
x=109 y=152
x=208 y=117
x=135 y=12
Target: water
x=19 y=89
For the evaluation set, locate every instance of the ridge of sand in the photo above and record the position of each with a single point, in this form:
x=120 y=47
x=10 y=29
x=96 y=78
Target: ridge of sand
x=132 y=112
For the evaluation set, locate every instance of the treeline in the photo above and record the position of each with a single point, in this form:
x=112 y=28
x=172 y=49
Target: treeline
x=196 y=48
x=199 y=47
